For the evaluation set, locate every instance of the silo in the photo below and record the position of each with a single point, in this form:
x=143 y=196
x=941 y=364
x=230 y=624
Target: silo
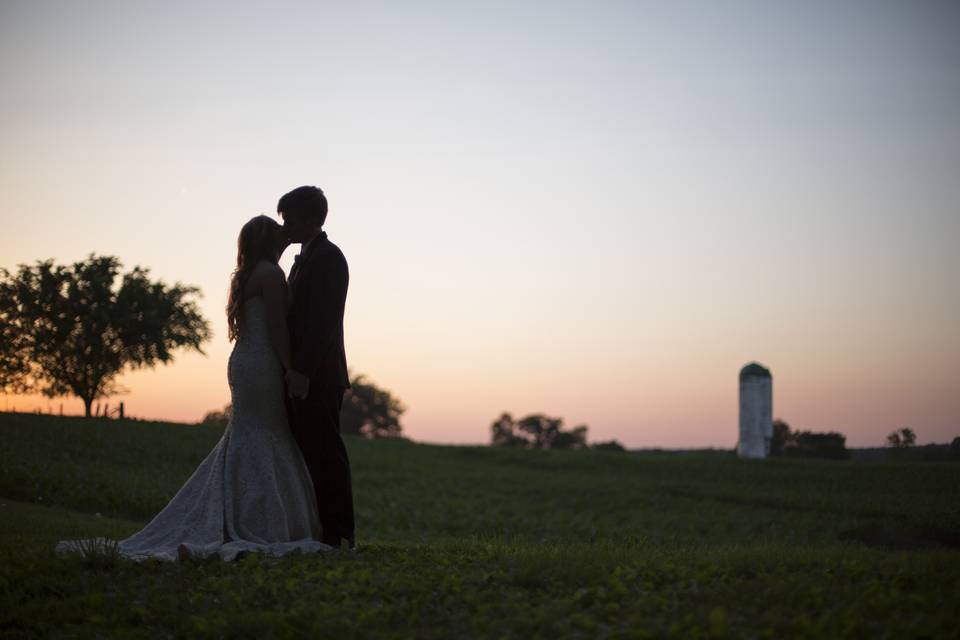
x=756 y=411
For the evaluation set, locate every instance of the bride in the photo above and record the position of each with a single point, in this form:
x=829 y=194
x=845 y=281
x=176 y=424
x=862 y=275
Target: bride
x=253 y=492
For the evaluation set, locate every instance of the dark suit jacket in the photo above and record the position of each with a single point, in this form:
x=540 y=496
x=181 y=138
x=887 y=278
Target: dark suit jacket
x=319 y=292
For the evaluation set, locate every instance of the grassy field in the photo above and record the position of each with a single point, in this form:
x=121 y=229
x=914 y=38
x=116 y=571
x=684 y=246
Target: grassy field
x=479 y=542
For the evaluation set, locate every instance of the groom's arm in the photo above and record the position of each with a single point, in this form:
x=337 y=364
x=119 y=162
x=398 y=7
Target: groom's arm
x=326 y=295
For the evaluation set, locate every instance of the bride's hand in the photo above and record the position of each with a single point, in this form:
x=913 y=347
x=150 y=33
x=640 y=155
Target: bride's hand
x=298 y=385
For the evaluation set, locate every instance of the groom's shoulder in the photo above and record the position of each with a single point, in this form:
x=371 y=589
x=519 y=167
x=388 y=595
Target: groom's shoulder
x=333 y=252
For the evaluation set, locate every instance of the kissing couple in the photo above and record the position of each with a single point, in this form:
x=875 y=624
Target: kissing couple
x=278 y=481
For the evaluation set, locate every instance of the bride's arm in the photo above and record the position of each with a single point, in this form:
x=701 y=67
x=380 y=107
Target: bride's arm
x=275 y=297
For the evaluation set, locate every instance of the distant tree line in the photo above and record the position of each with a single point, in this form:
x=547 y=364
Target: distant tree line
x=807 y=444
x=900 y=444
x=218 y=416
x=539 y=431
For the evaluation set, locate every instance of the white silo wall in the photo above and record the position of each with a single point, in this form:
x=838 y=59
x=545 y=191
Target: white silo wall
x=756 y=417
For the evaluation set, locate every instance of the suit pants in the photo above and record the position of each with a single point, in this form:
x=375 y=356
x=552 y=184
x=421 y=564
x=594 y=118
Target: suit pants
x=315 y=423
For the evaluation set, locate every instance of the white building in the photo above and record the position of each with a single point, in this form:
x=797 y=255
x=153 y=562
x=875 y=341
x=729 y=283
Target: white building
x=756 y=411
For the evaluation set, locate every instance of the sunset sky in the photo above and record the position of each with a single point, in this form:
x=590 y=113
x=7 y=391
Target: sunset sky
x=596 y=210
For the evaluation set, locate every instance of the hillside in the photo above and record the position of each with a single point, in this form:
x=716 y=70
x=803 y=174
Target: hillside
x=450 y=535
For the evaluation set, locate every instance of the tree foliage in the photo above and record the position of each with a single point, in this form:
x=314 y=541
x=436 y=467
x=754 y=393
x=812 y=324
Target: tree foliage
x=69 y=330
x=902 y=438
x=807 y=444
x=370 y=411
x=610 y=445
x=811 y=444
x=218 y=416
x=14 y=365
x=781 y=435
x=503 y=433
x=536 y=431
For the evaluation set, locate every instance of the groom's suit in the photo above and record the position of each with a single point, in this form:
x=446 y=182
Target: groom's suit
x=318 y=285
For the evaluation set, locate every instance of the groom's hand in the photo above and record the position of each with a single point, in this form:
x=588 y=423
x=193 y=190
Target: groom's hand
x=298 y=385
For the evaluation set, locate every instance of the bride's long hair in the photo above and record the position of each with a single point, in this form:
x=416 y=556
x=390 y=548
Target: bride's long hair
x=257 y=241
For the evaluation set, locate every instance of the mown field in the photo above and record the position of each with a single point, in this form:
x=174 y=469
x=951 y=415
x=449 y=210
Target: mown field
x=474 y=542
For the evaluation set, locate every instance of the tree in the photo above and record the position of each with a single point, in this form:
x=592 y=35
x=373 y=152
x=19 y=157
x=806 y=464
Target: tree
x=14 y=365
x=218 y=417
x=781 y=437
x=539 y=429
x=503 y=433
x=902 y=438
x=68 y=330
x=370 y=411
x=575 y=438
x=612 y=445
x=807 y=444
x=536 y=431
x=810 y=444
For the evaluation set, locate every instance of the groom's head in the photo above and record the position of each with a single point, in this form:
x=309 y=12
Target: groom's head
x=304 y=210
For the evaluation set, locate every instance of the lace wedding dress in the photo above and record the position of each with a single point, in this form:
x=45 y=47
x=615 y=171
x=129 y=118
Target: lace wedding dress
x=253 y=492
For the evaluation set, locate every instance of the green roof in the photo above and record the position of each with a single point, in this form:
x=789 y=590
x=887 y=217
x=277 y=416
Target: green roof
x=754 y=370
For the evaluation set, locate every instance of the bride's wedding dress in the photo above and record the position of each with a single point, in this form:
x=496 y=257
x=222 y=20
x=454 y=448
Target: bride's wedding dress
x=253 y=491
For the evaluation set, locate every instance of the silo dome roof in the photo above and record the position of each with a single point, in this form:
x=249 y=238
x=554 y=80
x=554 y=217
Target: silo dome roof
x=754 y=370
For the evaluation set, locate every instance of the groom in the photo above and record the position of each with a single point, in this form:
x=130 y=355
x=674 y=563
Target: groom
x=318 y=288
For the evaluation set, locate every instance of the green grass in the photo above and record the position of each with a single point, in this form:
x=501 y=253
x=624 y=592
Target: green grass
x=481 y=542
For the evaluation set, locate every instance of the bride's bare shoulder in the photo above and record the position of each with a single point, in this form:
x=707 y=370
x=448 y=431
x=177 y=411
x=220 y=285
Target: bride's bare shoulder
x=268 y=270
x=265 y=276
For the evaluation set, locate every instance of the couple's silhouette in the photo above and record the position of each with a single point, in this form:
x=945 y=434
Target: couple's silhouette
x=278 y=481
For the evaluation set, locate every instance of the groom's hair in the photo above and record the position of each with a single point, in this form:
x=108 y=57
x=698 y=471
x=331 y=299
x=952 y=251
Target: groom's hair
x=306 y=202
